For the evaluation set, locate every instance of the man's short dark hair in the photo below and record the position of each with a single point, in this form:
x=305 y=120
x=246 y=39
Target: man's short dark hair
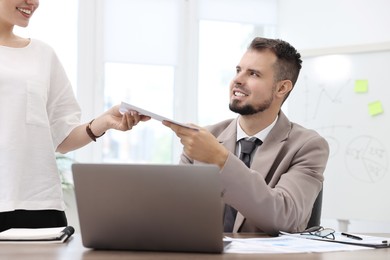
x=288 y=62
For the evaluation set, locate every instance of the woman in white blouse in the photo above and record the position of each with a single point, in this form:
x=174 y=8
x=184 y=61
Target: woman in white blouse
x=39 y=116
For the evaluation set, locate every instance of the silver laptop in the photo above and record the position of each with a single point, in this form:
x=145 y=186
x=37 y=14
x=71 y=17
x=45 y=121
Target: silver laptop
x=149 y=207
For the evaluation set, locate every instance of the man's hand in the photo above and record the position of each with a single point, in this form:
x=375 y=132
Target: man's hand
x=200 y=145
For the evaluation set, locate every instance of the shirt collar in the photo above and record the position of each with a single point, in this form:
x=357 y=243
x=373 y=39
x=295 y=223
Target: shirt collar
x=260 y=135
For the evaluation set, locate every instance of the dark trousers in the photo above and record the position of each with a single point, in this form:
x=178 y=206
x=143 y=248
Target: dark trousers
x=32 y=219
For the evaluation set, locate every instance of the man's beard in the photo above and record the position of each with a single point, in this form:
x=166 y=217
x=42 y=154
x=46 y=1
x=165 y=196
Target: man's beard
x=249 y=109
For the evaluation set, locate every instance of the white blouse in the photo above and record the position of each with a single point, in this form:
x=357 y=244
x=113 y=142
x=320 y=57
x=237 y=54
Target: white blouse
x=38 y=110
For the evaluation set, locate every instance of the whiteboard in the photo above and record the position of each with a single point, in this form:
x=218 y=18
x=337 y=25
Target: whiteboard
x=346 y=99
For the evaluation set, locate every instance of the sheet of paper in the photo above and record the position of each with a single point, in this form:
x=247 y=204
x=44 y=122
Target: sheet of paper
x=125 y=107
x=284 y=244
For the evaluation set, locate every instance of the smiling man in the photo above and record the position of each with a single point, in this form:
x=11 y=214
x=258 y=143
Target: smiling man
x=274 y=185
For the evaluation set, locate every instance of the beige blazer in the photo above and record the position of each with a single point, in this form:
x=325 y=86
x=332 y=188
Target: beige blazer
x=279 y=189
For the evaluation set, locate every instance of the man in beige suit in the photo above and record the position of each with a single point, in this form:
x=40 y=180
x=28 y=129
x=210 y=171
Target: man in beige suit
x=285 y=176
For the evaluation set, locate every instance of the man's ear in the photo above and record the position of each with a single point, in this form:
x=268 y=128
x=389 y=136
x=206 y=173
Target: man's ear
x=284 y=87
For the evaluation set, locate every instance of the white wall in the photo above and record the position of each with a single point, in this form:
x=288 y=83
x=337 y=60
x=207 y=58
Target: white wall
x=309 y=24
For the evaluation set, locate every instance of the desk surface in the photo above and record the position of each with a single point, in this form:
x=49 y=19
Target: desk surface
x=74 y=250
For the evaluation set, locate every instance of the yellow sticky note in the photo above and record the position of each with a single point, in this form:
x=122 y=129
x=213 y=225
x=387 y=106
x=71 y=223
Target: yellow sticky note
x=375 y=108
x=361 y=86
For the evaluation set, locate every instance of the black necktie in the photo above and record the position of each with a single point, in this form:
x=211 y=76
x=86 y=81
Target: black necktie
x=247 y=147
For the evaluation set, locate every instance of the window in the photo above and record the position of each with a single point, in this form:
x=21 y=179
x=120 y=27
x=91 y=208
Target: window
x=221 y=45
x=148 y=86
x=170 y=57
x=140 y=60
x=223 y=38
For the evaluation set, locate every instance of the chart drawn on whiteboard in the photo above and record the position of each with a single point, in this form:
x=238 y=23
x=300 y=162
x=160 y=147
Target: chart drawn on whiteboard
x=366 y=159
x=329 y=108
x=318 y=94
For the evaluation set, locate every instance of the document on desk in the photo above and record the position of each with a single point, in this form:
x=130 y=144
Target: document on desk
x=125 y=107
x=346 y=238
x=284 y=244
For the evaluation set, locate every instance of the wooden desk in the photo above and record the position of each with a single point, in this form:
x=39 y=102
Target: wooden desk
x=74 y=250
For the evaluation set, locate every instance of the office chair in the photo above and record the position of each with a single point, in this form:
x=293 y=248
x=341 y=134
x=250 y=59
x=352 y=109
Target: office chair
x=315 y=218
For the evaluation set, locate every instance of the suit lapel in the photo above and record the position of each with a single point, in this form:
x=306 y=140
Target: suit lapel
x=228 y=137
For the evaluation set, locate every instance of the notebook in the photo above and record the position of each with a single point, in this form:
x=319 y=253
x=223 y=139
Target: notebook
x=36 y=235
x=147 y=207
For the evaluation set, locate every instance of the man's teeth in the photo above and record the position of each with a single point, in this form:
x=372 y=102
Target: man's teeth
x=239 y=94
x=26 y=11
